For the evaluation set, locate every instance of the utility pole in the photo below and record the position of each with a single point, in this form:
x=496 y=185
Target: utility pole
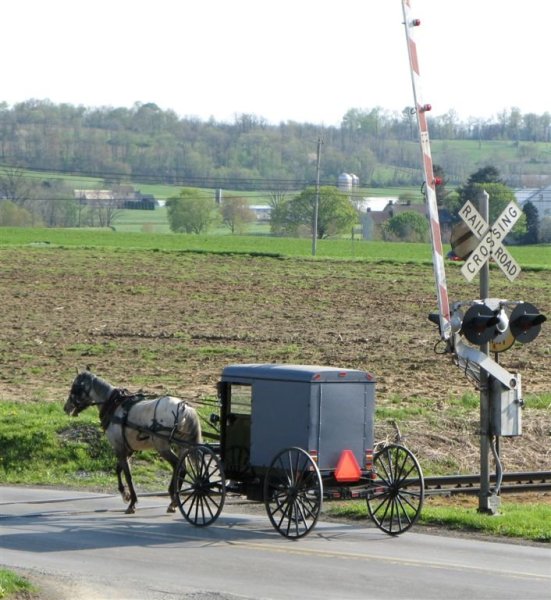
x=317 y=199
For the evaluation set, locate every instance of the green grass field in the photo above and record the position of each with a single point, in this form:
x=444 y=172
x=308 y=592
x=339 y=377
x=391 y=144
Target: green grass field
x=529 y=257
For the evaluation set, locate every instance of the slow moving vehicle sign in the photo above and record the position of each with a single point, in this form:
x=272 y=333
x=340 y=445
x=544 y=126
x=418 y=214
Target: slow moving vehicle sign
x=491 y=240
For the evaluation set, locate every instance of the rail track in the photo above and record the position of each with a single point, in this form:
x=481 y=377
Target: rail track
x=447 y=485
x=536 y=481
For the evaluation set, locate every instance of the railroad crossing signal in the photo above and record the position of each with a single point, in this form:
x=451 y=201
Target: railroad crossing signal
x=490 y=243
x=525 y=322
x=493 y=320
x=479 y=324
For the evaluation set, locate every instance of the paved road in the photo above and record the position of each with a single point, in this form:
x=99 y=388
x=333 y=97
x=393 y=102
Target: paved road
x=92 y=550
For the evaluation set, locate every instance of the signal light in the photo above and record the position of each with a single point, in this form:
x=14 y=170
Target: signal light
x=438 y=181
x=479 y=324
x=416 y=22
x=425 y=107
x=525 y=322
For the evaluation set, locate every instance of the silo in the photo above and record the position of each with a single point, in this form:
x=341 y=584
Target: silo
x=344 y=182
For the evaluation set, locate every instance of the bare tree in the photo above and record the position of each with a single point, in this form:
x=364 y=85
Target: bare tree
x=15 y=186
x=103 y=209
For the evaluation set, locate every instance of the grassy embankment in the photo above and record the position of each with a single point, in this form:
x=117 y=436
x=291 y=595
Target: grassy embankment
x=12 y=584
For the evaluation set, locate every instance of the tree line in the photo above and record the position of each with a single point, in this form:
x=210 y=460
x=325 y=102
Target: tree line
x=330 y=212
x=147 y=144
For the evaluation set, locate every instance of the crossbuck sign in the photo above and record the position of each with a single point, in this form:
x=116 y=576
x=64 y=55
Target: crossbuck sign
x=491 y=240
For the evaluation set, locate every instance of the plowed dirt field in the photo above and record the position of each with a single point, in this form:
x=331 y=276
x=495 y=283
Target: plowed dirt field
x=171 y=321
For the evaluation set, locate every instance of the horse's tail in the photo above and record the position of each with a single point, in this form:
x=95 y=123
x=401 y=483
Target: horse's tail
x=190 y=426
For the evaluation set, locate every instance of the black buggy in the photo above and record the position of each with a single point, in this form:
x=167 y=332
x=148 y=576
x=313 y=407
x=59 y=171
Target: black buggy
x=292 y=435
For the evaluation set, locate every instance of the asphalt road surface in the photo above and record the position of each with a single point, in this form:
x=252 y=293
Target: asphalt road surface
x=82 y=546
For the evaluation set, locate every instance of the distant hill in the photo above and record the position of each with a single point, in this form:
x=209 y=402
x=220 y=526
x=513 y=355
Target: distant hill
x=147 y=145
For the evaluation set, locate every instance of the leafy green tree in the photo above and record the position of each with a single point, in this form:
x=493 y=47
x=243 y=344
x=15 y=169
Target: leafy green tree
x=408 y=226
x=189 y=212
x=335 y=212
x=278 y=203
x=236 y=213
x=12 y=215
x=499 y=197
x=470 y=190
x=532 y=223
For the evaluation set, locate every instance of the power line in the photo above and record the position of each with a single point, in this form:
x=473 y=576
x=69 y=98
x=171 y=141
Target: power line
x=236 y=184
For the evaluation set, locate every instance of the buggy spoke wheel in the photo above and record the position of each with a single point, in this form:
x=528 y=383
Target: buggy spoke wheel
x=200 y=486
x=293 y=493
x=236 y=463
x=396 y=496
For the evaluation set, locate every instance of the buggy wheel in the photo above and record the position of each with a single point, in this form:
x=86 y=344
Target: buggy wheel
x=293 y=493
x=395 y=497
x=200 y=486
x=236 y=463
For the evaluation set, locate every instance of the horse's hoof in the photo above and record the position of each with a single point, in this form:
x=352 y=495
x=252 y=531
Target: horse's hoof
x=130 y=510
x=171 y=509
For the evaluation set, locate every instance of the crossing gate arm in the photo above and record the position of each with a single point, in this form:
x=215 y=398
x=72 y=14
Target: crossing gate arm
x=410 y=24
x=467 y=355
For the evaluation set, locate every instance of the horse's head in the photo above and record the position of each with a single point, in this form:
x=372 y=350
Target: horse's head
x=80 y=396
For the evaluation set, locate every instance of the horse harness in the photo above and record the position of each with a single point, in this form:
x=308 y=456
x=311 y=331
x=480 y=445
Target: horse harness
x=121 y=398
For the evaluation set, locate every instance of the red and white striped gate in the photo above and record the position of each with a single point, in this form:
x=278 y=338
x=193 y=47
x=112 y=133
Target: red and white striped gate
x=421 y=109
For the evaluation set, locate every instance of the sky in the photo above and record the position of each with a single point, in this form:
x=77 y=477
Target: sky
x=307 y=61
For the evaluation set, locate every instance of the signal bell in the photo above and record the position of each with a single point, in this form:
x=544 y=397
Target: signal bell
x=525 y=322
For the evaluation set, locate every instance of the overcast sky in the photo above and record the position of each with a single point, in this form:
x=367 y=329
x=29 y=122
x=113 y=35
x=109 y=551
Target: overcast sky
x=300 y=60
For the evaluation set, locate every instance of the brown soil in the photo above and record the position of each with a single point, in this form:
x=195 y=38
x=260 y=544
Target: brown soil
x=171 y=322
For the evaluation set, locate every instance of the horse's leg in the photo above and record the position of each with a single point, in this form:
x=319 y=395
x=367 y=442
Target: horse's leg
x=122 y=490
x=172 y=458
x=124 y=466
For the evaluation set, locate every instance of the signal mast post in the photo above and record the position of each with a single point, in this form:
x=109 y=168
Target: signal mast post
x=487 y=502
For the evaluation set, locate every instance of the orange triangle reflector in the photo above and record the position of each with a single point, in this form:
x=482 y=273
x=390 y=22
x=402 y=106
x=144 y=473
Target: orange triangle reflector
x=348 y=468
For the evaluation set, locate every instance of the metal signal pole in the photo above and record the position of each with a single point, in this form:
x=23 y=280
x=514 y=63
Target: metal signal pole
x=484 y=498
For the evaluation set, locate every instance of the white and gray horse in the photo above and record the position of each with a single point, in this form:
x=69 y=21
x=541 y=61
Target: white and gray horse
x=134 y=422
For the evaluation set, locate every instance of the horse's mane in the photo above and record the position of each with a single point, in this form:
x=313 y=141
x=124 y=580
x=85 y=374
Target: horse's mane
x=118 y=397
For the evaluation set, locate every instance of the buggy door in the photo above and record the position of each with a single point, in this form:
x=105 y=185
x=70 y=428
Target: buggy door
x=236 y=428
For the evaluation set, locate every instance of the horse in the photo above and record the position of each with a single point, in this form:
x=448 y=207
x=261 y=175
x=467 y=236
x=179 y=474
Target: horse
x=134 y=422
